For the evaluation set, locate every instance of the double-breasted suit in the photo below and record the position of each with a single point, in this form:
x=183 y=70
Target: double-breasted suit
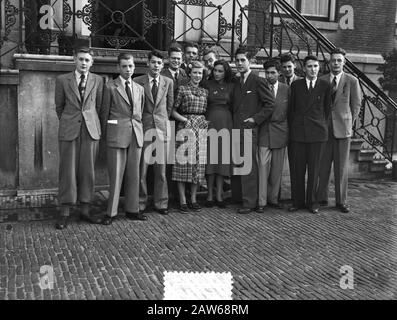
x=308 y=125
x=273 y=140
x=252 y=99
x=155 y=117
x=122 y=123
x=79 y=133
x=344 y=110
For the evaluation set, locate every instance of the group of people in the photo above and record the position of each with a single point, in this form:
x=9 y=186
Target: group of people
x=309 y=118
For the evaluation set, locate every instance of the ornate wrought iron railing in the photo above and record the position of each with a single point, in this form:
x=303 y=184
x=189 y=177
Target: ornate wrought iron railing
x=267 y=27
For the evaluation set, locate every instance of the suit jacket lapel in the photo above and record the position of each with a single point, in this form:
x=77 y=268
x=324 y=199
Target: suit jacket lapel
x=148 y=91
x=135 y=95
x=160 y=90
x=341 y=84
x=73 y=85
x=121 y=90
x=89 y=86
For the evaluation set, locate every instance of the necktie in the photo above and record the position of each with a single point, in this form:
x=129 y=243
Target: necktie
x=334 y=88
x=311 y=86
x=128 y=90
x=273 y=91
x=82 y=86
x=242 y=80
x=176 y=76
x=154 y=90
x=288 y=81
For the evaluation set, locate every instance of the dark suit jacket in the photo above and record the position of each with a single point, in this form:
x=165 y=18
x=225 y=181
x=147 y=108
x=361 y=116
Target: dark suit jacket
x=308 y=112
x=273 y=132
x=71 y=111
x=253 y=100
x=156 y=113
x=346 y=106
x=117 y=118
x=284 y=80
x=182 y=78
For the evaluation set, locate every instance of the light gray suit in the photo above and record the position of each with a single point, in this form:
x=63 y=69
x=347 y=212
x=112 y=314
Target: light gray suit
x=344 y=110
x=122 y=124
x=156 y=117
x=273 y=140
x=78 y=135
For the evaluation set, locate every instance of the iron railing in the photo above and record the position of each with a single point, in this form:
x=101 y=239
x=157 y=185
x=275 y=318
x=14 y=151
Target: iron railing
x=267 y=27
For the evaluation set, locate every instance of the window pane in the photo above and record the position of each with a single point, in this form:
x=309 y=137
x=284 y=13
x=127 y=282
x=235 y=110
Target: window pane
x=315 y=8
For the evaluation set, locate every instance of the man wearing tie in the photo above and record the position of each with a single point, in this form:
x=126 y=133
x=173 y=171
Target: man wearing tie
x=121 y=118
x=78 y=98
x=288 y=65
x=159 y=100
x=252 y=104
x=345 y=107
x=190 y=54
x=273 y=139
x=174 y=70
x=308 y=125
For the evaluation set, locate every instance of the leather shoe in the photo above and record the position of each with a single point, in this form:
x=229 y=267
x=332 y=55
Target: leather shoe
x=244 y=210
x=61 y=223
x=136 y=216
x=90 y=219
x=275 y=205
x=195 y=207
x=293 y=209
x=260 y=209
x=183 y=208
x=162 y=211
x=344 y=208
x=220 y=204
x=314 y=210
x=107 y=220
x=323 y=203
x=209 y=203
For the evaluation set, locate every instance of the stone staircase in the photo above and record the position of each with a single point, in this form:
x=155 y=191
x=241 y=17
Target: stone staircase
x=367 y=163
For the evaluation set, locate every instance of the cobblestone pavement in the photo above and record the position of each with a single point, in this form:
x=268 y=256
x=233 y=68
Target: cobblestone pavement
x=275 y=255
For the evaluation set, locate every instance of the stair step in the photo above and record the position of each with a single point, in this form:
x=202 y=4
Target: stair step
x=378 y=165
x=366 y=155
x=356 y=144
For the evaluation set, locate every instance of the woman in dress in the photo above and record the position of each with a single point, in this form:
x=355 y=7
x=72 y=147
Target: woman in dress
x=219 y=115
x=189 y=109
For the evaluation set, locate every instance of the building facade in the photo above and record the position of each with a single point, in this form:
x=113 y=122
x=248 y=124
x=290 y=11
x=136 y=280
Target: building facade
x=37 y=38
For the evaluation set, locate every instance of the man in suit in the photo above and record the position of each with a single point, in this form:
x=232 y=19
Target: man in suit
x=346 y=101
x=121 y=118
x=209 y=58
x=252 y=105
x=190 y=54
x=78 y=97
x=159 y=100
x=288 y=66
x=174 y=70
x=308 y=125
x=273 y=139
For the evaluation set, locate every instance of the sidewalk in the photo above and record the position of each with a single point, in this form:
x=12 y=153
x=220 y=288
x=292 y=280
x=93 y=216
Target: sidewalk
x=275 y=255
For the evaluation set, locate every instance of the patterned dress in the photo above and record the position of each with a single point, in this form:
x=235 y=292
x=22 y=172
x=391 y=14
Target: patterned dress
x=219 y=115
x=191 y=102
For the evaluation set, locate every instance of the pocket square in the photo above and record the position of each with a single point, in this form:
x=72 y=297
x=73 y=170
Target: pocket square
x=249 y=92
x=112 y=121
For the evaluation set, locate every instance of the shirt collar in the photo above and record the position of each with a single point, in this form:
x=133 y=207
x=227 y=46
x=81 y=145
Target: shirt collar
x=78 y=75
x=151 y=79
x=313 y=82
x=338 y=76
x=123 y=81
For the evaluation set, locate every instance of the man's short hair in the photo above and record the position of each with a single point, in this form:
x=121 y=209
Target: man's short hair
x=190 y=45
x=286 y=57
x=78 y=50
x=155 y=53
x=124 y=56
x=338 y=51
x=244 y=51
x=208 y=51
x=272 y=63
x=309 y=57
x=174 y=49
